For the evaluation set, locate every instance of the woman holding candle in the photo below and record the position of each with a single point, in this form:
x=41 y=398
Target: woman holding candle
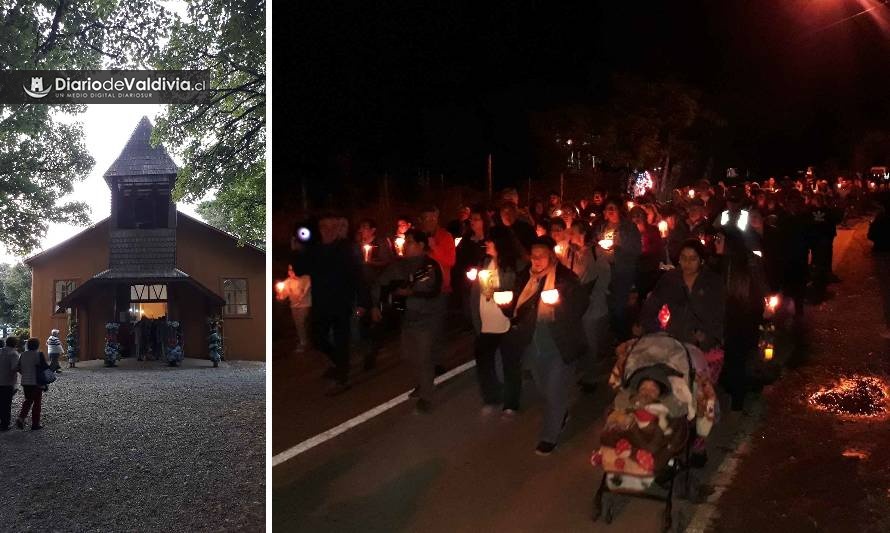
x=695 y=300
x=546 y=319
x=620 y=240
x=501 y=263
x=469 y=253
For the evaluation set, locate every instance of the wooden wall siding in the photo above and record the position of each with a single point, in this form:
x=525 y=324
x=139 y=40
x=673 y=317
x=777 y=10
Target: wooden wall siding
x=78 y=258
x=143 y=250
x=202 y=252
x=209 y=257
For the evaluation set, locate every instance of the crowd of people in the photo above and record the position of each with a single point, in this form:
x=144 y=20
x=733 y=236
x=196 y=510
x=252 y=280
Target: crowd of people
x=555 y=285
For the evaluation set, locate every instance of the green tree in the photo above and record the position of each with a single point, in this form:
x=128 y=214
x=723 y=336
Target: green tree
x=15 y=295
x=40 y=157
x=222 y=142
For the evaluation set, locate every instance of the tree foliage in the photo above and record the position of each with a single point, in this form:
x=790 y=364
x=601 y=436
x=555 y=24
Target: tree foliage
x=222 y=142
x=15 y=295
x=42 y=158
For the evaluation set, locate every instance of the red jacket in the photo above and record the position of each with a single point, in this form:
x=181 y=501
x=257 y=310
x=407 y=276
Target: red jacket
x=443 y=251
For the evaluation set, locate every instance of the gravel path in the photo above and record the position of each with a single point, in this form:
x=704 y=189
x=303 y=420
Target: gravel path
x=142 y=447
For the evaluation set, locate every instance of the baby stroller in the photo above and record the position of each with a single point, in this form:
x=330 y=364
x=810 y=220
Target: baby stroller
x=665 y=397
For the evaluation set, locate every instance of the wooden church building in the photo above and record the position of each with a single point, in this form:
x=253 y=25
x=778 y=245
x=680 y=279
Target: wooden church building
x=149 y=260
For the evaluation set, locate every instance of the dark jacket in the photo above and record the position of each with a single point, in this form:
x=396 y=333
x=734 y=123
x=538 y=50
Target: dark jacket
x=703 y=309
x=336 y=271
x=420 y=274
x=567 y=329
x=507 y=282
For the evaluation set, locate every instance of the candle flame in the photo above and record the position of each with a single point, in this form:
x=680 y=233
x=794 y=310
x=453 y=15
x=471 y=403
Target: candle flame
x=758 y=253
x=457 y=241
x=772 y=302
x=768 y=353
x=663 y=228
x=484 y=275
x=691 y=193
x=472 y=273
x=606 y=243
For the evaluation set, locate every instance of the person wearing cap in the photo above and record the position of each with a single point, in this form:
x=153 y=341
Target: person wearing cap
x=546 y=318
x=54 y=349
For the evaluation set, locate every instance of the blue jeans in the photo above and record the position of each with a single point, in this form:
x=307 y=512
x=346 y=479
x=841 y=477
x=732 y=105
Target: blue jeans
x=554 y=378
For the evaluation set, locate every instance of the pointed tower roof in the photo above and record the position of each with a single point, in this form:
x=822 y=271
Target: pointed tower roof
x=139 y=158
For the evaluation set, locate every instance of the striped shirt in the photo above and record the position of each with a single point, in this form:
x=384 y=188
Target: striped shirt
x=53 y=345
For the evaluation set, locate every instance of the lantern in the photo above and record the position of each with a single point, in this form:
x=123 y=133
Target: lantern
x=550 y=297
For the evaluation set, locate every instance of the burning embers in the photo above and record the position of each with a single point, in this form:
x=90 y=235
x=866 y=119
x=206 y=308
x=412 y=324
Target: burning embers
x=854 y=396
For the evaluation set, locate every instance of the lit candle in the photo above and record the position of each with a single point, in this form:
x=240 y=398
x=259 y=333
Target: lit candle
x=558 y=249
x=457 y=241
x=768 y=353
x=691 y=193
x=550 y=297
x=606 y=244
x=758 y=253
x=484 y=275
x=472 y=273
x=664 y=316
x=663 y=228
x=772 y=302
x=279 y=290
x=557 y=213
x=400 y=244
x=630 y=205
x=503 y=297
x=367 y=250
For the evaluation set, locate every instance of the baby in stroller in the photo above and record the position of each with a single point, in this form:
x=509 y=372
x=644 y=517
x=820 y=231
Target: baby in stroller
x=662 y=386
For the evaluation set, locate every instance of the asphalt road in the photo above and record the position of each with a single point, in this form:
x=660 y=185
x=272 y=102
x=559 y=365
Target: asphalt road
x=455 y=470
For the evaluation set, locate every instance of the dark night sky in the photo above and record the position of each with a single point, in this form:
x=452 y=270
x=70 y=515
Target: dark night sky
x=363 y=87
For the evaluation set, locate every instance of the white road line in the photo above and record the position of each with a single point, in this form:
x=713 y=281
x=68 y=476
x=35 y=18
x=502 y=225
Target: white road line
x=321 y=438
